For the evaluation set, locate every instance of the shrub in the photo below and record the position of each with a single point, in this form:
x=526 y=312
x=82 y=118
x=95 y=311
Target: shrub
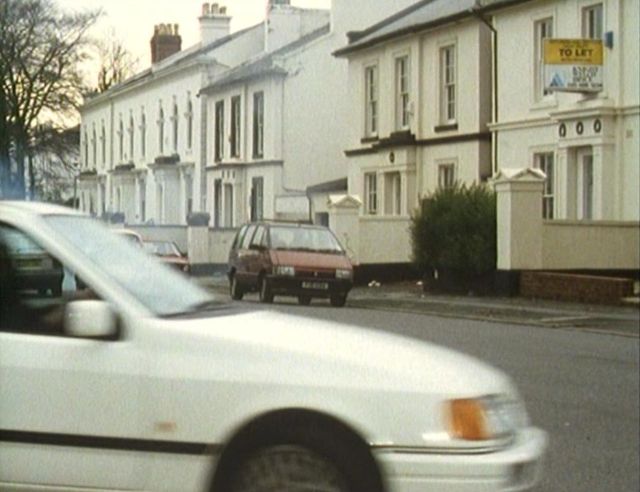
x=455 y=229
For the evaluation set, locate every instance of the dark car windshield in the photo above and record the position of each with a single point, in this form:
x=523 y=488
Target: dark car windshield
x=161 y=248
x=304 y=239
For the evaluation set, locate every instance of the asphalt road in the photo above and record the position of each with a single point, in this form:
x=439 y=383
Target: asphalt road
x=581 y=387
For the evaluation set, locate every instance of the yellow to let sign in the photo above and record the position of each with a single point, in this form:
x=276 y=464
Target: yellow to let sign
x=573 y=52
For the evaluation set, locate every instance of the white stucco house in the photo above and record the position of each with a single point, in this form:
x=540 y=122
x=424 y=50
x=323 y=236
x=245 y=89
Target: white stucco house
x=454 y=91
x=279 y=120
x=421 y=104
x=144 y=141
x=587 y=143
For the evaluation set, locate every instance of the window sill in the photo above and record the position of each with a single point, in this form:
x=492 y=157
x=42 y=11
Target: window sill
x=448 y=127
x=368 y=140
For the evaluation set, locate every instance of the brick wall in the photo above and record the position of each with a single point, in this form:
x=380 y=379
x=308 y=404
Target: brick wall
x=574 y=287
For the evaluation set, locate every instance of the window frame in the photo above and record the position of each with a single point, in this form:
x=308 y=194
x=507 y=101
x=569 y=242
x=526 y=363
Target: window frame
x=592 y=17
x=161 y=130
x=143 y=133
x=94 y=146
x=371 y=192
x=236 y=127
x=448 y=84
x=131 y=137
x=257 y=198
x=121 y=140
x=103 y=143
x=403 y=91
x=372 y=97
x=545 y=161
x=175 y=119
x=543 y=28
x=189 y=116
x=219 y=131
x=258 y=125
x=446 y=175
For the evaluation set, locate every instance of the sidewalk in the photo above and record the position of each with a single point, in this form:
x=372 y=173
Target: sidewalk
x=408 y=297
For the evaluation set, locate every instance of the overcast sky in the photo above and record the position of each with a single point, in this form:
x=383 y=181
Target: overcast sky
x=133 y=20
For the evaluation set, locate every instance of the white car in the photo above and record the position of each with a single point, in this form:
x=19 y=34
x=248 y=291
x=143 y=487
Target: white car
x=143 y=382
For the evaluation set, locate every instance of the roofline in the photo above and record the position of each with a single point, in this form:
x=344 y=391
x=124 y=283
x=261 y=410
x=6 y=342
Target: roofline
x=300 y=43
x=479 y=9
x=334 y=185
x=223 y=84
x=190 y=60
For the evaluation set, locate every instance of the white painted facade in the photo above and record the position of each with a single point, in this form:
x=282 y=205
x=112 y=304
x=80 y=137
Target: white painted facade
x=591 y=140
x=410 y=151
x=144 y=142
x=306 y=118
x=436 y=141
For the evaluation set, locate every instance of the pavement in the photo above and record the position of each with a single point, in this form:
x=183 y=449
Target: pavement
x=622 y=320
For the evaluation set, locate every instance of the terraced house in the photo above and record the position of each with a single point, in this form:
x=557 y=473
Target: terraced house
x=449 y=91
x=144 y=142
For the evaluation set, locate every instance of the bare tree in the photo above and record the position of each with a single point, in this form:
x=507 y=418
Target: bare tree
x=116 y=62
x=41 y=50
x=56 y=151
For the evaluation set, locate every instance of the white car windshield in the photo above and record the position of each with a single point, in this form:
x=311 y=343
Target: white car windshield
x=163 y=291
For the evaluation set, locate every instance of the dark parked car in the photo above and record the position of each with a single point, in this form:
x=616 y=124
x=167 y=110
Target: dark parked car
x=169 y=253
x=34 y=268
x=276 y=258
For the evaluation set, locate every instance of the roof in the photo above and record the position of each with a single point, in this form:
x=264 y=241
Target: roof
x=266 y=63
x=179 y=59
x=336 y=185
x=423 y=15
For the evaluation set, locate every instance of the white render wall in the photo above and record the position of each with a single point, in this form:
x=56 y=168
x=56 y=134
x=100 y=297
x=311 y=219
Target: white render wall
x=171 y=80
x=149 y=98
x=527 y=125
x=307 y=116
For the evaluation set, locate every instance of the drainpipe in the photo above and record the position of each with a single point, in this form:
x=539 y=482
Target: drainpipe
x=476 y=11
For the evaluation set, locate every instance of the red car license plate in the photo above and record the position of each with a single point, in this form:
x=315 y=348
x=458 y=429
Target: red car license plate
x=315 y=285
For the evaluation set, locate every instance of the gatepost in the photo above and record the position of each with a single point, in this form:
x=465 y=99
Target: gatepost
x=344 y=221
x=198 y=242
x=519 y=223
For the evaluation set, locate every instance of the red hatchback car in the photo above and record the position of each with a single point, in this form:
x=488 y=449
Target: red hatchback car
x=276 y=258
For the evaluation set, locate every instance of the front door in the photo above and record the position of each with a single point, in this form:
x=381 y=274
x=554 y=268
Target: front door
x=585 y=184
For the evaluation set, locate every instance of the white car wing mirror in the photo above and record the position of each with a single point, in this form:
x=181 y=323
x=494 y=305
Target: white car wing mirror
x=90 y=319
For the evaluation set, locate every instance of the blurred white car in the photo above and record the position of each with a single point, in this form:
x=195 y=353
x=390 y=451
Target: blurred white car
x=144 y=382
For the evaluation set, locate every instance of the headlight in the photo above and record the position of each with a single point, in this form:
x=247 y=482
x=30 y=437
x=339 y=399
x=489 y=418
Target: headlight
x=489 y=417
x=285 y=271
x=344 y=274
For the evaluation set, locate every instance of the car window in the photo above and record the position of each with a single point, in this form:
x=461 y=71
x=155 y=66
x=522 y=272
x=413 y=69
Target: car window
x=246 y=240
x=239 y=237
x=162 y=248
x=35 y=287
x=258 y=236
x=161 y=290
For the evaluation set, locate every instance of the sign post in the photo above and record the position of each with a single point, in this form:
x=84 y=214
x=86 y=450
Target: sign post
x=573 y=65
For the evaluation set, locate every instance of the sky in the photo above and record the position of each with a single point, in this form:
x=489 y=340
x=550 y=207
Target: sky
x=133 y=20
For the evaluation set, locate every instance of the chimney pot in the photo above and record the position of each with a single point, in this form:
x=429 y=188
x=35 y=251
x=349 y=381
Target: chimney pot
x=165 y=41
x=205 y=9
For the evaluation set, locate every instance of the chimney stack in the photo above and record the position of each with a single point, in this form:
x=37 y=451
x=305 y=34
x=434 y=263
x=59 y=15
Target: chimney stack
x=165 y=41
x=214 y=23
